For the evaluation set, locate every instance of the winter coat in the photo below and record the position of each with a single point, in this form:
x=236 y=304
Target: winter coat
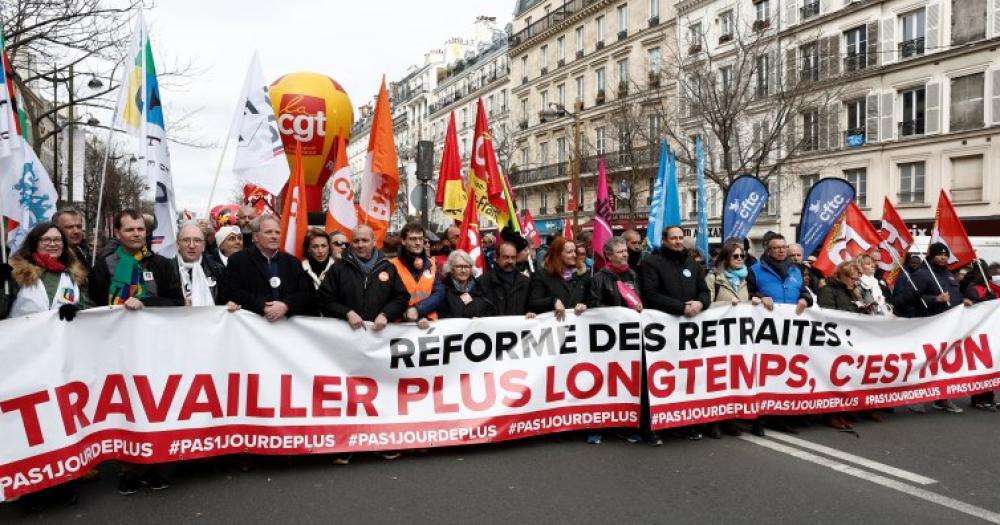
x=164 y=289
x=247 y=282
x=836 y=296
x=215 y=272
x=454 y=306
x=506 y=299
x=669 y=279
x=979 y=292
x=928 y=290
x=347 y=287
x=546 y=288
x=765 y=280
x=26 y=274
x=722 y=291
x=604 y=287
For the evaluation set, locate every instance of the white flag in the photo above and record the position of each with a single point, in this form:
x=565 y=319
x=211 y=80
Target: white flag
x=26 y=190
x=260 y=154
x=8 y=122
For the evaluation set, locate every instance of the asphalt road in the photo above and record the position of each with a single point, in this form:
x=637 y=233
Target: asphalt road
x=936 y=468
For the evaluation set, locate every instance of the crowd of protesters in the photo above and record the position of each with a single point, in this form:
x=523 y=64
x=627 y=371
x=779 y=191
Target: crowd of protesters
x=420 y=277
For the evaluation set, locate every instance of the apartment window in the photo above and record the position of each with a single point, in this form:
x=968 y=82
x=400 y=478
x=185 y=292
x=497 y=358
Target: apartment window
x=623 y=18
x=543 y=202
x=913 y=27
x=914 y=102
x=773 y=197
x=655 y=60
x=858 y=177
x=967 y=102
x=600 y=28
x=810 y=62
x=763 y=74
x=856 y=41
x=763 y=11
x=911 y=182
x=465 y=117
x=691 y=203
x=855 y=134
x=654 y=128
x=726 y=22
x=623 y=72
x=599 y=135
x=561 y=94
x=694 y=35
x=713 y=203
x=809 y=9
x=545 y=100
x=524 y=110
x=967 y=178
x=810 y=130
x=543 y=57
x=579 y=88
x=464 y=148
x=807 y=183
x=968 y=22
x=561 y=49
x=654 y=9
x=524 y=157
x=543 y=153
x=489 y=104
x=726 y=78
x=600 y=80
x=561 y=150
x=524 y=200
x=579 y=41
x=524 y=68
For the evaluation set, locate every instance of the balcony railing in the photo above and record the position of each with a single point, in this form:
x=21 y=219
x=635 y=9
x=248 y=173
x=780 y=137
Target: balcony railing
x=549 y=21
x=855 y=62
x=622 y=35
x=809 y=10
x=809 y=74
x=654 y=21
x=760 y=25
x=854 y=138
x=911 y=128
x=809 y=143
x=911 y=48
x=638 y=157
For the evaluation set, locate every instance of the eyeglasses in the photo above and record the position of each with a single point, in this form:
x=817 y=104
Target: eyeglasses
x=54 y=241
x=739 y=256
x=778 y=248
x=192 y=241
x=340 y=244
x=461 y=267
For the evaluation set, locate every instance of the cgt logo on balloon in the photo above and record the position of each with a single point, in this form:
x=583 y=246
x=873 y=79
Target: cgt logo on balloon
x=303 y=118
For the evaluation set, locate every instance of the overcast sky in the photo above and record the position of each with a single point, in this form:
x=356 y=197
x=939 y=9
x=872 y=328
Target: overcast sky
x=352 y=42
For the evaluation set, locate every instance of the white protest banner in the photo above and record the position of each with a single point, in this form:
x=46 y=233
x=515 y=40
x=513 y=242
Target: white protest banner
x=744 y=361
x=172 y=384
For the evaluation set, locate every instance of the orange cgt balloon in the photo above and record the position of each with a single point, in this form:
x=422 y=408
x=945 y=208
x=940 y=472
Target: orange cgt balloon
x=314 y=110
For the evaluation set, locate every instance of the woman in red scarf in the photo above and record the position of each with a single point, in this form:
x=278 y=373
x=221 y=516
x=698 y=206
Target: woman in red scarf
x=47 y=275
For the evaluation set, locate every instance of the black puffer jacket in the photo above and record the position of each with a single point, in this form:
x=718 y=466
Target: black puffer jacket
x=454 y=306
x=347 y=287
x=546 y=288
x=506 y=299
x=668 y=279
x=836 y=296
x=604 y=287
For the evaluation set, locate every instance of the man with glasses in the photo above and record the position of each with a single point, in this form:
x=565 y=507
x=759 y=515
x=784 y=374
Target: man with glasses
x=131 y=275
x=419 y=275
x=200 y=275
x=266 y=280
x=775 y=279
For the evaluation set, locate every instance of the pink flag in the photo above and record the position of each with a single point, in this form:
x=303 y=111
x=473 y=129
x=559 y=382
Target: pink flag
x=602 y=217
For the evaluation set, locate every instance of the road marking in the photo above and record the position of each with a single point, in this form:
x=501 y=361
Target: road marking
x=857 y=460
x=890 y=483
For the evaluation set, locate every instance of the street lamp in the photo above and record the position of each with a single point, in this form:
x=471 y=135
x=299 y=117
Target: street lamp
x=557 y=110
x=94 y=84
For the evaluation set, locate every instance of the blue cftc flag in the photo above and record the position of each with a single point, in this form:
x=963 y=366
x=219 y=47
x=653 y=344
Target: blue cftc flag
x=745 y=201
x=824 y=203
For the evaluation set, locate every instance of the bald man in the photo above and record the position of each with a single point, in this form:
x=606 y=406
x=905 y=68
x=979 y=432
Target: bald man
x=363 y=286
x=200 y=275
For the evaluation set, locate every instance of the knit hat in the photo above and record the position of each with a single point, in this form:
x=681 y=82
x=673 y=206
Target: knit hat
x=937 y=249
x=224 y=232
x=511 y=236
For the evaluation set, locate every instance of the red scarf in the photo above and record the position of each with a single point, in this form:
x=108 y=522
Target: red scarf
x=46 y=261
x=617 y=269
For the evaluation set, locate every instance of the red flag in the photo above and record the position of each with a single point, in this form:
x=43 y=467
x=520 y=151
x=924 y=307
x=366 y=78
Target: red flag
x=259 y=198
x=341 y=214
x=851 y=235
x=484 y=160
x=529 y=230
x=948 y=229
x=294 y=214
x=567 y=230
x=602 y=217
x=468 y=235
x=896 y=242
x=380 y=180
x=450 y=196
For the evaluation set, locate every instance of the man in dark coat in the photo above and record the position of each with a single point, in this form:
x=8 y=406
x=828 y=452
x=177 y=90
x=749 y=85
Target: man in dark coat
x=672 y=282
x=363 y=285
x=937 y=287
x=130 y=274
x=265 y=280
x=505 y=287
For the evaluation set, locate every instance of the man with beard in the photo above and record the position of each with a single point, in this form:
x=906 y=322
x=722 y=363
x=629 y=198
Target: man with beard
x=244 y=217
x=504 y=286
x=419 y=274
x=635 y=249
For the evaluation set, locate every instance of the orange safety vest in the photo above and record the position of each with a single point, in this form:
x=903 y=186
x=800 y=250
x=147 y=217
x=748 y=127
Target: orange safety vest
x=419 y=290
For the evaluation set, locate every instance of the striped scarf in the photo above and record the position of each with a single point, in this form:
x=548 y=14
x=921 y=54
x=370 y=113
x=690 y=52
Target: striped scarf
x=127 y=281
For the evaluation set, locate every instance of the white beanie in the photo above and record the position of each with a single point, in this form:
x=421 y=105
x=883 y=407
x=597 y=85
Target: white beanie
x=224 y=232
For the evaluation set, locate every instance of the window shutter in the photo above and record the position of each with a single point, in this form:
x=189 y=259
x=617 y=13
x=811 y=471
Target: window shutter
x=791 y=13
x=933 y=28
x=833 y=126
x=996 y=17
x=888 y=41
x=824 y=58
x=773 y=62
x=791 y=134
x=873 y=44
x=933 y=113
x=996 y=96
x=822 y=140
x=833 y=52
x=886 y=128
x=791 y=68
x=871 y=122
x=824 y=6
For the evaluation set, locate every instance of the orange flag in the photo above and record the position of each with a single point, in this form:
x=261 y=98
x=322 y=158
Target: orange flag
x=294 y=214
x=851 y=235
x=450 y=196
x=380 y=180
x=342 y=214
x=468 y=236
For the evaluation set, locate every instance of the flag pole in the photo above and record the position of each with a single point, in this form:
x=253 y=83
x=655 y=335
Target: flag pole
x=909 y=279
x=931 y=270
x=218 y=170
x=100 y=186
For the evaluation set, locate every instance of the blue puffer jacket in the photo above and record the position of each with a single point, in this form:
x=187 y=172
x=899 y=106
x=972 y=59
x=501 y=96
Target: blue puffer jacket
x=765 y=281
